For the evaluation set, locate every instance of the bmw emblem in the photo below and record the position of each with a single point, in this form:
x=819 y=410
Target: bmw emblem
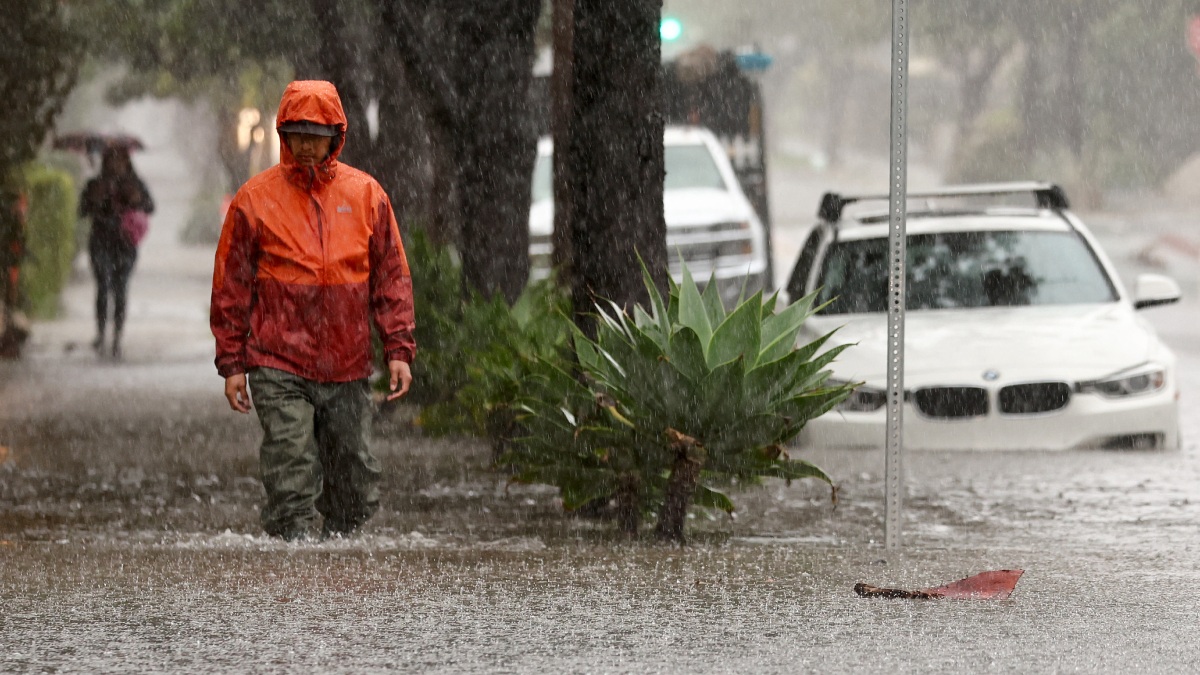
x=991 y=375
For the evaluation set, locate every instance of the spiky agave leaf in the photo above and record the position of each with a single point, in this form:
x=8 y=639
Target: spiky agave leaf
x=779 y=330
x=692 y=311
x=738 y=335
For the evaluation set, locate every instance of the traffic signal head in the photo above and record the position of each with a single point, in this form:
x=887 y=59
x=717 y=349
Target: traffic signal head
x=669 y=29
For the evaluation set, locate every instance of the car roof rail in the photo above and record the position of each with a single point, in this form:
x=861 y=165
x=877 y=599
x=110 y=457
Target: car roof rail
x=1048 y=196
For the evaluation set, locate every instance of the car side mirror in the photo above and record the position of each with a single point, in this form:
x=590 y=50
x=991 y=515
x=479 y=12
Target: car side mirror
x=1153 y=290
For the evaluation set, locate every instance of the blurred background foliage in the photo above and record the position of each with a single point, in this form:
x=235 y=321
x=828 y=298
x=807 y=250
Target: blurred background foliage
x=49 y=238
x=1097 y=94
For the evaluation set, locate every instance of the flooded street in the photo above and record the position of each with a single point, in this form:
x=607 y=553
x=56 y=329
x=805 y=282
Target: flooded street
x=129 y=536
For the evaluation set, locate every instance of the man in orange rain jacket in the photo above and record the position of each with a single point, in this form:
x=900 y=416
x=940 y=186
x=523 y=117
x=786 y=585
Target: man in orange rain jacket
x=309 y=256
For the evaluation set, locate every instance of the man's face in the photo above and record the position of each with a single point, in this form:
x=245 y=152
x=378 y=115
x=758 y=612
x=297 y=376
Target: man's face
x=309 y=149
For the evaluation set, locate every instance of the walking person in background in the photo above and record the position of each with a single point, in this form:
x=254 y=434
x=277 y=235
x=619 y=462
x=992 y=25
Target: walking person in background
x=113 y=199
x=309 y=256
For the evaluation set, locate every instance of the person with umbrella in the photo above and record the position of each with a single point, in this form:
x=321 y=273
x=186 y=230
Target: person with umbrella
x=115 y=195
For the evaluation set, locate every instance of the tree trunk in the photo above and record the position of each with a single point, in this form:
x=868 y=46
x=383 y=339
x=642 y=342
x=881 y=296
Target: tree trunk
x=337 y=63
x=401 y=160
x=612 y=154
x=629 y=504
x=470 y=66
x=1072 y=98
x=235 y=160
x=681 y=487
x=562 y=81
x=496 y=144
x=427 y=42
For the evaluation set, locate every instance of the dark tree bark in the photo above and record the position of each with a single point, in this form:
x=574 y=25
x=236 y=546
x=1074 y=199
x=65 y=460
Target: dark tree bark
x=681 y=486
x=496 y=144
x=41 y=54
x=425 y=43
x=337 y=61
x=629 y=504
x=611 y=150
x=470 y=65
x=401 y=160
x=562 y=87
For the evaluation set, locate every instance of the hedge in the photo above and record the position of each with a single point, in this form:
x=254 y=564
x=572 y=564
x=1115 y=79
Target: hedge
x=49 y=236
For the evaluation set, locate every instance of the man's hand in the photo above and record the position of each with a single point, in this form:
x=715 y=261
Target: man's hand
x=401 y=379
x=236 y=393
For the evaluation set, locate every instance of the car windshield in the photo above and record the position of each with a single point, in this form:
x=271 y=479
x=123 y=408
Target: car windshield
x=691 y=166
x=688 y=166
x=958 y=270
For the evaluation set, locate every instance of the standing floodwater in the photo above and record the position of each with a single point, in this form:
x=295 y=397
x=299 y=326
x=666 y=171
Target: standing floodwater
x=129 y=535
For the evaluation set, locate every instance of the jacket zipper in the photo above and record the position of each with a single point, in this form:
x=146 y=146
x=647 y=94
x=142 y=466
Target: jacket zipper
x=321 y=287
x=312 y=181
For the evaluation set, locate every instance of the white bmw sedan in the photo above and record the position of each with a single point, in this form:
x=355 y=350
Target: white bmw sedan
x=1018 y=333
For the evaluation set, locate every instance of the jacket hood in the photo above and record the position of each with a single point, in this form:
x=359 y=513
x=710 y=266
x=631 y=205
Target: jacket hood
x=311 y=101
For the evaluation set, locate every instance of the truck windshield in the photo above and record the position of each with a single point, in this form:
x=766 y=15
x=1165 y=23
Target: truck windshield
x=688 y=166
x=959 y=270
x=691 y=166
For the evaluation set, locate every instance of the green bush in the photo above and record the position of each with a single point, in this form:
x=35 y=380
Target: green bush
x=502 y=347
x=475 y=355
x=49 y=237
x=439 y=370
x=670 y=405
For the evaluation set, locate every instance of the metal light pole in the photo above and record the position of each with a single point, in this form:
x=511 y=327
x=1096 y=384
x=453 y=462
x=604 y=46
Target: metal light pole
x=897 y=189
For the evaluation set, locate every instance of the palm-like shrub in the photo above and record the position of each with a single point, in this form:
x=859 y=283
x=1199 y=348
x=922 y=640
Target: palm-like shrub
x=669 y=405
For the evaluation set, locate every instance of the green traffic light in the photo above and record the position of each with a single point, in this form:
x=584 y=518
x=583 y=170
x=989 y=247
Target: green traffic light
x=670 y=29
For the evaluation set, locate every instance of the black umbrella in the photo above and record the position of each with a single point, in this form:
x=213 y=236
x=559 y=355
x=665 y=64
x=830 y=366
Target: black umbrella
x=94 y=143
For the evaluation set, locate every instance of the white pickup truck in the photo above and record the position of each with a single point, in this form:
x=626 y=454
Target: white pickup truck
x=711 y=224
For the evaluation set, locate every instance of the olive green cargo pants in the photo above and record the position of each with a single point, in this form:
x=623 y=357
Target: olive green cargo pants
x=314 y=456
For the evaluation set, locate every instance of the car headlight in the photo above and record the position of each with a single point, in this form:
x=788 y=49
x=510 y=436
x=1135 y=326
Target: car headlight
x=864 y=398
x=1144 y=379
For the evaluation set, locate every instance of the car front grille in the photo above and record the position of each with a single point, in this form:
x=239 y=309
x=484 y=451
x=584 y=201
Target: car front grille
x=951 y=402
x=1033 y=398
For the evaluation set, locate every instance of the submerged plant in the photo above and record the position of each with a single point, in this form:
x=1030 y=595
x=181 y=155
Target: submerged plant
x=671 y=404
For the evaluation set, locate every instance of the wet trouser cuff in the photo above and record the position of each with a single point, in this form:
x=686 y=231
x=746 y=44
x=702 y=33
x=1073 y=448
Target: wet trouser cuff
x=314 y=457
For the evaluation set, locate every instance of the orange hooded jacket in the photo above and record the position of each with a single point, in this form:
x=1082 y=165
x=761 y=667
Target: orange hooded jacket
x=308 y=257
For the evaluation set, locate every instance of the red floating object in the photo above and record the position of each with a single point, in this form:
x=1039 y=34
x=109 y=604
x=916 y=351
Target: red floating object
x=993 y=585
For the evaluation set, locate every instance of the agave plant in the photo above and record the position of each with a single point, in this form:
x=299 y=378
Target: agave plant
x=671 y=403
